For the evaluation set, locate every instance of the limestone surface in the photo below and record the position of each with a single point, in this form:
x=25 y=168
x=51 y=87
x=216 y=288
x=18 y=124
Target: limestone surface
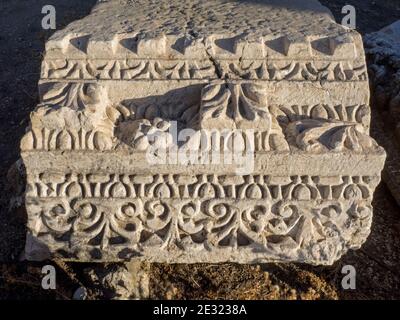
x=201 y=131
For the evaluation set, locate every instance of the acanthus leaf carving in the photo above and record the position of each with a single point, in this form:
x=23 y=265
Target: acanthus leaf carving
x=236 y=104
x=322 y=135
x=72 y=116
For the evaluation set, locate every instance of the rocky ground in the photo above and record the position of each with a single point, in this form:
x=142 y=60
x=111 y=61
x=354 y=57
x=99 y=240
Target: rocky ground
x=21 y=46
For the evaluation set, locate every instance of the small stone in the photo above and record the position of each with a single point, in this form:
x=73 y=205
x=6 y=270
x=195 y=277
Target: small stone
x=80 y=294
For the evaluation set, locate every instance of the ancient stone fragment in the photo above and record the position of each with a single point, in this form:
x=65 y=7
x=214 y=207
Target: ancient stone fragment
x=383 y=53
x=201 y=131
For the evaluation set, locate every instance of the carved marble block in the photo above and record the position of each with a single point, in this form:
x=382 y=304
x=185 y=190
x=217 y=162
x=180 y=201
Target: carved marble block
x=272 y=100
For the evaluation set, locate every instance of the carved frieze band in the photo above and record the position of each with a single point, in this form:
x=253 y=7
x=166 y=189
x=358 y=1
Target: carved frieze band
x=274 y=215
x=202 y=69
x=199 y=186
x=79 y=116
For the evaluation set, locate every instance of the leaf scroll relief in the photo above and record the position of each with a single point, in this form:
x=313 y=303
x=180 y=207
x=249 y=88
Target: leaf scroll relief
x=293 y=225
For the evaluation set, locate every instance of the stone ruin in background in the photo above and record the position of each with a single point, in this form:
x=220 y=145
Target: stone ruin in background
x=383 y=53
x=282 y=70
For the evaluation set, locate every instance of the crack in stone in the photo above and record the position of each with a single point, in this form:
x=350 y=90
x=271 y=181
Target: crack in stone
x=215 y=63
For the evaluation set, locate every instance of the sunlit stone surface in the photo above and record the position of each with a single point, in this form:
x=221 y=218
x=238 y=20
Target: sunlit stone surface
x=278 y=81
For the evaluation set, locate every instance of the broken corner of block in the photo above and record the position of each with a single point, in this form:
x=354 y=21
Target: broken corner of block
x=285 y=113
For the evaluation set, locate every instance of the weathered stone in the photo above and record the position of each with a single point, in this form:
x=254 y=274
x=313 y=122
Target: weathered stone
x=125 y=281
x=278 y=166
x=383 y=52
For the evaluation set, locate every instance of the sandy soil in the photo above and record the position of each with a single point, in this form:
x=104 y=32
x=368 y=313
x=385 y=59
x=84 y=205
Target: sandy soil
x=21 y=46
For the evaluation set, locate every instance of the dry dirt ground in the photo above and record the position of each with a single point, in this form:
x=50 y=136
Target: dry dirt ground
x=21 y=46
